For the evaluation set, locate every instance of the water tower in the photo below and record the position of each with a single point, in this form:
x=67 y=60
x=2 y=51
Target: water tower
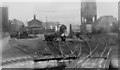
x=88 y=15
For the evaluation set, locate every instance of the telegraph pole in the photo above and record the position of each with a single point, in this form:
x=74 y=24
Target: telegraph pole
x=46 y=23
x=71 y=33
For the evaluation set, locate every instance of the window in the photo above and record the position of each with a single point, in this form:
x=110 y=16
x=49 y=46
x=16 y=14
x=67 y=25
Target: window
x=93 y=19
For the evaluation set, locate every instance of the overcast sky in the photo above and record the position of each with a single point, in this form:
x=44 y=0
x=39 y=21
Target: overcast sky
x=63 y=12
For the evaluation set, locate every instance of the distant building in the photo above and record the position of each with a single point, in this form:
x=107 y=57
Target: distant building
x=38 y=27
x=35 y=26
x=76 y=28
x=16 y=25
x=51 y=25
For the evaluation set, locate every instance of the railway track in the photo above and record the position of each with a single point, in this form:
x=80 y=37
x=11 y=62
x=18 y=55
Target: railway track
x=66 y=49
x=59 y=49
x=85 y=51
x=95 y=56
x=98 y=56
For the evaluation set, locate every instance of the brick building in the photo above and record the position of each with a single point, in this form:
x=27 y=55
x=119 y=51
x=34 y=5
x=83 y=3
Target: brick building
x=35 y=26
x=38 y=27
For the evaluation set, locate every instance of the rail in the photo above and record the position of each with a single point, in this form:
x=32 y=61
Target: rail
x=101 y=45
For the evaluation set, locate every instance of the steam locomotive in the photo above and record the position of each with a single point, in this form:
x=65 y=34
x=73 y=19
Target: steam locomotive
x=53 y=35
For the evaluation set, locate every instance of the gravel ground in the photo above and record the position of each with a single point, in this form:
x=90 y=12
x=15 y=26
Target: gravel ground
x=10 y=52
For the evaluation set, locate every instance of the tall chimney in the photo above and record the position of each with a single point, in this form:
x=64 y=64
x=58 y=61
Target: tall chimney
x=34 y=16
